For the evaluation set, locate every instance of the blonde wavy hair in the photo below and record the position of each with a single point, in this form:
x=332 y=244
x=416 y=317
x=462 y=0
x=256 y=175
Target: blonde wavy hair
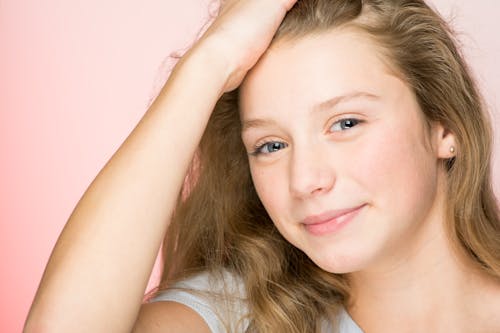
x=220 y=224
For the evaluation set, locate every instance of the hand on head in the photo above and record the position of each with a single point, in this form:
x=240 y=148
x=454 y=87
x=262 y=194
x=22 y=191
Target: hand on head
x=241 y=32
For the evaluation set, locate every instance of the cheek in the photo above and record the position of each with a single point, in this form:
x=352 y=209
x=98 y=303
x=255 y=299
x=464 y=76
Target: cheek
x=400 y=173
x=270 y=185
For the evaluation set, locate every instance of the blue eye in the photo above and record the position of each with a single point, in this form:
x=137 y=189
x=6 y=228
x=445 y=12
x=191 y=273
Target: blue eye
x=344 y=124
x=269 y=147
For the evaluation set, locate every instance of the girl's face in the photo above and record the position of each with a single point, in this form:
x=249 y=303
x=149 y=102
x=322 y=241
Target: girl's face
x=339 y=151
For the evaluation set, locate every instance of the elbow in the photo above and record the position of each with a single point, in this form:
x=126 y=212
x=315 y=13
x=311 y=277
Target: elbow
x=33 y=326
x=39 y=323
x=36 y=324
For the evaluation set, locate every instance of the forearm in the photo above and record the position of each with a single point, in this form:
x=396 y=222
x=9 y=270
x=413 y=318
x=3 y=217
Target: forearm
x=99 y=268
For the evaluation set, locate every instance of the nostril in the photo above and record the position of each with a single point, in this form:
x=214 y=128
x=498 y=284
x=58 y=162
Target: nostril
x=310 y=170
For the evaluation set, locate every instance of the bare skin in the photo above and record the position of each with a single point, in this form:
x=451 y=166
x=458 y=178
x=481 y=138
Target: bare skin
x=431 y=288
x=420 y=287
x=99 y=268
x=405 y=275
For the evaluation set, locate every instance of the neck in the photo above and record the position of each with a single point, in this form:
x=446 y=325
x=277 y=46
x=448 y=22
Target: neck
x=428 y=286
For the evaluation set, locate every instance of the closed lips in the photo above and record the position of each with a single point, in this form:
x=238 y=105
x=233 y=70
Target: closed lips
x=329 y=215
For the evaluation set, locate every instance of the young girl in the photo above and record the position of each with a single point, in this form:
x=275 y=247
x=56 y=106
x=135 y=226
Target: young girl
x=337 y=155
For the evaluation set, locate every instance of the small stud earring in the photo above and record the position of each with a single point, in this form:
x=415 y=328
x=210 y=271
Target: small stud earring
x=452 y=149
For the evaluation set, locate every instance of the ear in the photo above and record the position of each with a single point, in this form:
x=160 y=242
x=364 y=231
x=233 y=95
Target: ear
x=444 y=142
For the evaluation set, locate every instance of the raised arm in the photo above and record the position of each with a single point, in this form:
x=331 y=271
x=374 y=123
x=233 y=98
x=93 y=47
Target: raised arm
x=99 y=268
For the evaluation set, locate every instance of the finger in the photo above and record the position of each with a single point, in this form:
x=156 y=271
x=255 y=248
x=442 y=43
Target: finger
x=288 y=4
x=213 y=8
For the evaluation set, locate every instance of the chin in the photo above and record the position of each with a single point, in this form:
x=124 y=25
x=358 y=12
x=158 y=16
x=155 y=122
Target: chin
x=339 y=265
x=341 y=262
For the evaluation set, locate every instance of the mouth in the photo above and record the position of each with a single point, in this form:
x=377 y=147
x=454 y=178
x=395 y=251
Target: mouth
x=330 y=221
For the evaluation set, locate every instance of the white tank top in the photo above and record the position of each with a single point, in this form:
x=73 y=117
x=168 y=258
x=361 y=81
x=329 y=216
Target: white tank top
x=221 y=303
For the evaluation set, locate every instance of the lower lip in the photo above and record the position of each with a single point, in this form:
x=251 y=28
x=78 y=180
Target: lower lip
x=333 y=225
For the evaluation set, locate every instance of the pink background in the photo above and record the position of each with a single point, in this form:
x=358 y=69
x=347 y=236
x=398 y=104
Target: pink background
x=75 y=78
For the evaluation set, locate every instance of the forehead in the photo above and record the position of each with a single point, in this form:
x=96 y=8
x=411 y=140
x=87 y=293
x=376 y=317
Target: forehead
x=306 y=71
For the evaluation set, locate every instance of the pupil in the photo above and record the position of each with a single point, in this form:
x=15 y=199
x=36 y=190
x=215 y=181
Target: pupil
x=275 y=146
x=349 y=123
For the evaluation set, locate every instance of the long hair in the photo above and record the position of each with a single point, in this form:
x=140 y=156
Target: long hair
x=219 y=222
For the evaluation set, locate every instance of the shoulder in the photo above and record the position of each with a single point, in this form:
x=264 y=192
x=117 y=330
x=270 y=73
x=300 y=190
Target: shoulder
x=218 y=299
x=169 y=317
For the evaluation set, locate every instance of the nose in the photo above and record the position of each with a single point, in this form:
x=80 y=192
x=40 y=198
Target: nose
x=311 y=171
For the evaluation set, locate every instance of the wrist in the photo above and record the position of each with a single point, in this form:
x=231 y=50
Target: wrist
x=207 y=57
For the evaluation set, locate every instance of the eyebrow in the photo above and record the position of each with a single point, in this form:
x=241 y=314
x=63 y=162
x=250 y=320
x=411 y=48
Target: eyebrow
x=328 y=104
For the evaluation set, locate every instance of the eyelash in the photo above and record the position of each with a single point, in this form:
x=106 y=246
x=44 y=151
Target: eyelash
x=258 y=148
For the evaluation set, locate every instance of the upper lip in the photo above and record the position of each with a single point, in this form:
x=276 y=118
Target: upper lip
x=328 y=215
